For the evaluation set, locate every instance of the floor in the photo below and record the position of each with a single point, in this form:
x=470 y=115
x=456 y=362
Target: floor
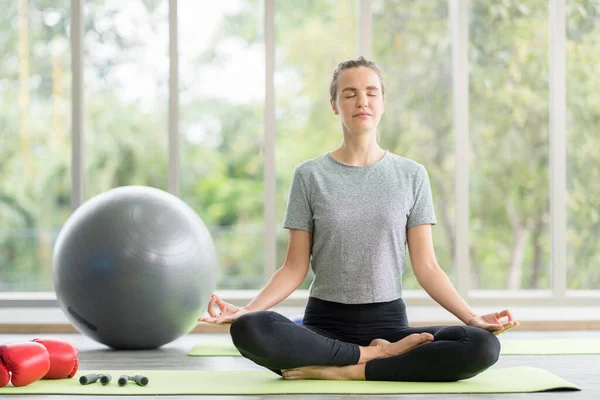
x=583 y=370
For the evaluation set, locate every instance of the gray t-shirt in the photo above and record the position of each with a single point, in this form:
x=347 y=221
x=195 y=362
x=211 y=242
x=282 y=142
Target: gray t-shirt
x=359 y=216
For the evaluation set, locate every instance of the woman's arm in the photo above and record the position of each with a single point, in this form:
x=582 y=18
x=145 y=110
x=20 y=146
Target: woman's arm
x=431 y=277
x=283 y=282
x=290 y=276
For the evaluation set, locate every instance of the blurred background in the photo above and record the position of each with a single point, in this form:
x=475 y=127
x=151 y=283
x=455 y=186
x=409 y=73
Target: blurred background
x=221 y=94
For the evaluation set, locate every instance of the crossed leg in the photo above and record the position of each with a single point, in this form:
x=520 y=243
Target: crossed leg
x=273 y=341
x=457 y=352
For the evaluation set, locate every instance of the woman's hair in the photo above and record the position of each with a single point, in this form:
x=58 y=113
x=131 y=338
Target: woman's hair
x=359 y=62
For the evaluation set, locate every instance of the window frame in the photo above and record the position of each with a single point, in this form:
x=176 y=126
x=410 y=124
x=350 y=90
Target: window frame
x=556 y=296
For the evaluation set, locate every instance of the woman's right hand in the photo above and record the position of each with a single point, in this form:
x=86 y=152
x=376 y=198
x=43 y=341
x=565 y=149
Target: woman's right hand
x=227 y=312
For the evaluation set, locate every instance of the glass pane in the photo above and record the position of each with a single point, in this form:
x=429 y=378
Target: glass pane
x=311 y=38
x=583 y=144
x=35 y=146
x=412 y=46
x=126 y=75
x=222 y=88
x=509 y=181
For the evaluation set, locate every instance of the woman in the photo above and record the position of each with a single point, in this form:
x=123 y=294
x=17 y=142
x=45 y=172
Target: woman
x=350 y=214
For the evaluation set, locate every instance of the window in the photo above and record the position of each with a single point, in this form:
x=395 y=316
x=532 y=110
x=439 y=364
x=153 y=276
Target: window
x=583 y=144
x=222 y=86
x=126 y=75
x=222 y=64
x=35 y=147
x=509 y=170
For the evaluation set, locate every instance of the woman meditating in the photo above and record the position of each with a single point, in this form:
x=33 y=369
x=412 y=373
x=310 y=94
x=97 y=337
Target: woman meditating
x=350 y=214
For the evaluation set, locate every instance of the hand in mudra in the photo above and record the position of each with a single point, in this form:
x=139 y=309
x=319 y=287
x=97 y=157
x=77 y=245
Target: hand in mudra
x=492 y=322
x=227 y=312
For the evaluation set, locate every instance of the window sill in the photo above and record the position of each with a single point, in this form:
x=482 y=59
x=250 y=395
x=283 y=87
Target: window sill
x=39 y=312
x=476 y=298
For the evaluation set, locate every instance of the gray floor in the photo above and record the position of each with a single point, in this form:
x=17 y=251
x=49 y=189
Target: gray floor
x=583 y=370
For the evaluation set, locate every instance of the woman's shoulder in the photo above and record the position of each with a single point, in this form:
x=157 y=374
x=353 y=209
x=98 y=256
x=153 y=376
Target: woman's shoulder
x=311 y=164
x=405 y=163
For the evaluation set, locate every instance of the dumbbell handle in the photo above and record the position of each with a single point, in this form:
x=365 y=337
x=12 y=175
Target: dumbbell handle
x=91 y=378
x=123 y=379
x=141 y=380
x=88 y=379
x=105 y=379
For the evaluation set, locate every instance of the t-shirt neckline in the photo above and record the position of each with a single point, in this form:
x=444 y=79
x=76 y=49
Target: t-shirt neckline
x=385 y=155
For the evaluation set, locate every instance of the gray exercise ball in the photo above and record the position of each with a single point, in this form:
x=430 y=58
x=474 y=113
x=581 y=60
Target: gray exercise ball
x=134 y=268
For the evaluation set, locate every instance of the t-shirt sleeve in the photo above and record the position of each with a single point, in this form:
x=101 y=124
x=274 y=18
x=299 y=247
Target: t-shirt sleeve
x=422 y=211
x=298 y=214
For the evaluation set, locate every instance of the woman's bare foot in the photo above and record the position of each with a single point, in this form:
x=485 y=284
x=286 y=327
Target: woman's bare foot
x=378 y=348
x=381 y=348
x=379 y=342
x=350 y=372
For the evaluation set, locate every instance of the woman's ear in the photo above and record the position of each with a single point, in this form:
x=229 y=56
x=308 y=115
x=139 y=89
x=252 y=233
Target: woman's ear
x=333 y=107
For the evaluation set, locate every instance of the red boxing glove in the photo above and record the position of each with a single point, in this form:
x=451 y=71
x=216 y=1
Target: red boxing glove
x=26 y=361
x=63 y=358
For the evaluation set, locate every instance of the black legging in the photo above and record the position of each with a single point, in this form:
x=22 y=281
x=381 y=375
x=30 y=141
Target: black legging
x=331 y=333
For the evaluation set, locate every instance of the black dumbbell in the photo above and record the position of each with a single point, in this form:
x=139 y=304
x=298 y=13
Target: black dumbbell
x=91 y=378
x=141 y=380
x=105 y=379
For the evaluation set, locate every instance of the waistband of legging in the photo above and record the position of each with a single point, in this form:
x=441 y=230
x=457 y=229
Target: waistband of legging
x=394 y=310
x=315 y=301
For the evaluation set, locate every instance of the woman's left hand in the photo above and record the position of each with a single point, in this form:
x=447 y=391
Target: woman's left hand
x=492 y=322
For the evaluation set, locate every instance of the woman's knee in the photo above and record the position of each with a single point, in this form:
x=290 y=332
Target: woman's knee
x=247 y=329
x=258 y=338
x=484 y=348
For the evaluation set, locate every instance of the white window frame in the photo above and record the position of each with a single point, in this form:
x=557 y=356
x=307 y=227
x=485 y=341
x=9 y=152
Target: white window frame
x=556 y=296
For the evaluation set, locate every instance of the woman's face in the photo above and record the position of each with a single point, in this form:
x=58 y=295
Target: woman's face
x=359 y=99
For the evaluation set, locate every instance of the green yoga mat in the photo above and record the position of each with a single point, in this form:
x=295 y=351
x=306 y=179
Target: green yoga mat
x=224 y=347
x=550 y=346
x=255 y=382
